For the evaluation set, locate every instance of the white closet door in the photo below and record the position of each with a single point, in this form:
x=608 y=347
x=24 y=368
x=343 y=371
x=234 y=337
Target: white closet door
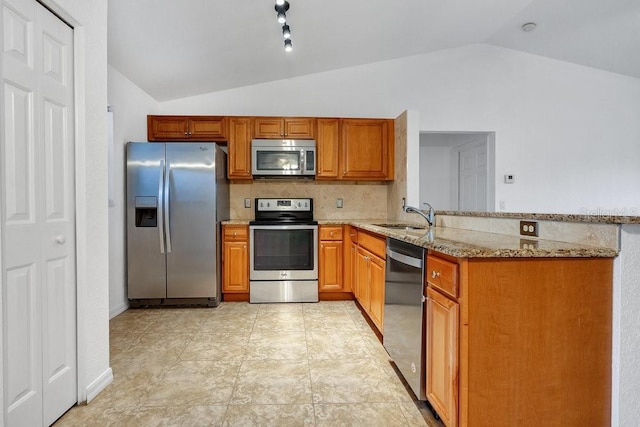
x=38 y=224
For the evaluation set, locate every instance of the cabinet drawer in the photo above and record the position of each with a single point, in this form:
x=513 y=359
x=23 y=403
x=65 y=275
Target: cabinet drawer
x=235 y=232
x=331 y=232
x=373 y=244
x=443 y=275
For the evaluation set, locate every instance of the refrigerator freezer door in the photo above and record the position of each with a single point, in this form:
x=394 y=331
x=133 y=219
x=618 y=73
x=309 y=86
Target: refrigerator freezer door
x=191 y=220
x=146 y=270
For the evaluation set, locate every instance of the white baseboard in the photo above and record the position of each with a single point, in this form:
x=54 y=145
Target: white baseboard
x=99 y=384
x=114 y=311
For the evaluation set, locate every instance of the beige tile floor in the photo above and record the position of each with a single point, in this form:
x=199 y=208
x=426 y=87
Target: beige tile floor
x=246 y=364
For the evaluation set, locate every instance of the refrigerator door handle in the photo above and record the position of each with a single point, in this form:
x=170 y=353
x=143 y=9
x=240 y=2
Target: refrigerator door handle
x=160 y=208
x=167 y=219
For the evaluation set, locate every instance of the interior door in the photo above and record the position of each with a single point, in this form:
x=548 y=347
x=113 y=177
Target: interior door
x=37 y=215
x=473 y=178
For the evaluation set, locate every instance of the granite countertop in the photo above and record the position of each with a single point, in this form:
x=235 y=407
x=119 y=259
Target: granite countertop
x=471 y=244
x=595 y=216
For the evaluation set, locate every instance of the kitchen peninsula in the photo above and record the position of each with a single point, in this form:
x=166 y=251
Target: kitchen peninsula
x=520 y=329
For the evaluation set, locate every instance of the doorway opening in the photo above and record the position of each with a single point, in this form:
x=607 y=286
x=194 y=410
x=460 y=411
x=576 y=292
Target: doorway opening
x=457 y=171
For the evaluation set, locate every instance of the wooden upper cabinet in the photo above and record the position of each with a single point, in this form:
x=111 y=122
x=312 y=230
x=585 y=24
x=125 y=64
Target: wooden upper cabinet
x=367 y=148
x=181 y=128
x=239 y=147
x=328 y=148
x=284 y=127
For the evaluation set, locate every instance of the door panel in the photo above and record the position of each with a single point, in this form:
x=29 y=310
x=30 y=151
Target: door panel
x=38 y=219
x=191 y=264
x=23 y=382
x=473 y=178
x=18 y=200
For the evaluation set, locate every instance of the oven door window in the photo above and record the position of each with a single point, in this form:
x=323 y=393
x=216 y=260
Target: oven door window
x=278 y=160
x=283 y=250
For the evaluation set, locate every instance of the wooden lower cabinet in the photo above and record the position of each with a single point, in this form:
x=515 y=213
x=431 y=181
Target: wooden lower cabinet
x=376 y=290
x=235 y=259
x=330 y=276
x=532 y=338
x=441 y=331
x=370 y=275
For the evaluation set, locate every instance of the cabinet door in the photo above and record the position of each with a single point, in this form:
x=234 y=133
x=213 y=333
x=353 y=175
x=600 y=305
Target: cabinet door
x=327 y=148
x=167 y=128
x=207 y=128
x=268 y=127
x=376 y=290
x=235 y=267
x=330 y=274
x=299 y=127
x=367 y=149
x=362 y=278
x=442 y=355
x=239 y=147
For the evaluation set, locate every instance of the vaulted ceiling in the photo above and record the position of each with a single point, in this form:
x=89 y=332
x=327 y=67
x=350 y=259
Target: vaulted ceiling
x=174 y=49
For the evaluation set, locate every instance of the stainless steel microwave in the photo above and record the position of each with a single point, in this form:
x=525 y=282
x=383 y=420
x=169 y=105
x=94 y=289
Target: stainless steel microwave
x=283 y=158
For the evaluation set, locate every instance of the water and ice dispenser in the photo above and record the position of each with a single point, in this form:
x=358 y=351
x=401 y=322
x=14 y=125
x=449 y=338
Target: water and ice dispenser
x=146 y=211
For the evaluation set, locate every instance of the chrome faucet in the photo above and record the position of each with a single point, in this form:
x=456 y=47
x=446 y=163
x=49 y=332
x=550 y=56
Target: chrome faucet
x=430 y=217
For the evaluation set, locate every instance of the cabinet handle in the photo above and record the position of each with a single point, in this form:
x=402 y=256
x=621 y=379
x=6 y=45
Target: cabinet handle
x=186 y=133
x=244 y=246
x=435 y=274
x=235 y=233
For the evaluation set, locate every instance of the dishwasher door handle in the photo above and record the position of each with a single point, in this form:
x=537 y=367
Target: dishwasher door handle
x=405 y=259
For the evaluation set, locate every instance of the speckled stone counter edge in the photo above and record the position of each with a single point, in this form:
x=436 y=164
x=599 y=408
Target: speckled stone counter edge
x=466 y=246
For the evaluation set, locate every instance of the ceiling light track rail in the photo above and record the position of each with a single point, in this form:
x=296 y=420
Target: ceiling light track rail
x=282 y=7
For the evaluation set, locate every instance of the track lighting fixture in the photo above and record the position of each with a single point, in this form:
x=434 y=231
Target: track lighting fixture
x=282 y=6
x=281 y=9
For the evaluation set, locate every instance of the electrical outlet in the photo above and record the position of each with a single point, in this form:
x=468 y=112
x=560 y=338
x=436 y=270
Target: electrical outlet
x=338 y=203
x=247 y=203
x=528 y=244
x=529 y=228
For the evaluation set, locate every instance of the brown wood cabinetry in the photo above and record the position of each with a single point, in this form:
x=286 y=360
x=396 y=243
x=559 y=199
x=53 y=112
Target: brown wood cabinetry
x=441 y=332
x=239 y=147
x=181 y=128
x=367 y=149
x=355 y=149
x=235 y=259
x=531 y=337
x=369 y=275
x=284 y=127
x=328 y=149
x=350 y=245
x=330 y=276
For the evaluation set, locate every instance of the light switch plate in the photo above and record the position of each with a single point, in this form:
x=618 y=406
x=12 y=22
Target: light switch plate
x=338 y=203
x=247 y=203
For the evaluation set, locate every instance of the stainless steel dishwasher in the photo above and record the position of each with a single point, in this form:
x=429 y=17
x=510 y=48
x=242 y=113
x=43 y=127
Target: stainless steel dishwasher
x=404 y=312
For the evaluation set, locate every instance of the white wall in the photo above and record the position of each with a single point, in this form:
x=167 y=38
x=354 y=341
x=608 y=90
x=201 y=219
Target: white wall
x=626 y=349
x=130 y=106
x=89 y=19
x=558 y=125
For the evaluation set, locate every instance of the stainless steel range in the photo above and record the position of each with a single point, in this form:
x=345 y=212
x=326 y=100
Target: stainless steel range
x=283 y=242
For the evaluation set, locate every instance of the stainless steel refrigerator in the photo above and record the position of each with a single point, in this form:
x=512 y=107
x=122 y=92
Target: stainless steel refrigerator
x=177 y=196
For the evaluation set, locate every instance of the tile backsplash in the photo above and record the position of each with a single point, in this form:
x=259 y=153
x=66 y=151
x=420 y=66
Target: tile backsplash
x=360 y=200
